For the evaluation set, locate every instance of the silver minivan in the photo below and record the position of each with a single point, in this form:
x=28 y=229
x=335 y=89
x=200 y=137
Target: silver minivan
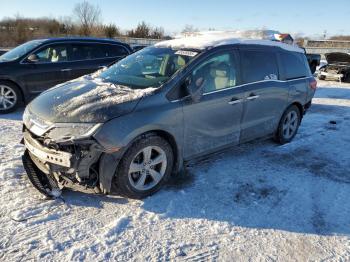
x=126 y=129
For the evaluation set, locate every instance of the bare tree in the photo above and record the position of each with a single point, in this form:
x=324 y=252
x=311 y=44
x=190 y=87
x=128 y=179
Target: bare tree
x=111 y=31
x=66 y=25
x=157 y=33
x=53 y=27
x=21 y=30
x=142 y=31
x=189 y=29
x=88 y=15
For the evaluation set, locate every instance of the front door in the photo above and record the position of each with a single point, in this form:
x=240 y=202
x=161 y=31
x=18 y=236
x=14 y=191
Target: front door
x=47 y=70
x=214 y=121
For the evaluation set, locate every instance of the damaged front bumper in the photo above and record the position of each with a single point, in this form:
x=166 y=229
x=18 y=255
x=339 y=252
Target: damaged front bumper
x=331 y=75
x=77 y=164
x=338 y=71
x=46 y=184
x=48 y=155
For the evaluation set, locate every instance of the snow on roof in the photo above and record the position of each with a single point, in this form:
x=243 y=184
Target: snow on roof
x=202 y=40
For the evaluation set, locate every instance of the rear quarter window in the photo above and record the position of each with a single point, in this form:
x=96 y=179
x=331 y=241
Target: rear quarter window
x=259 y=66
x=88 y=51
x=295 y=65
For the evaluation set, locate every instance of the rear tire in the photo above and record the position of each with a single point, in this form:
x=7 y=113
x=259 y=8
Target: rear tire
x=10 y=97
x=145 y=167
x=288 y=125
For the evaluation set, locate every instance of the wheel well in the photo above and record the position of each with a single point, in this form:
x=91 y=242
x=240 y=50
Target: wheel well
x=300 y=107
x=14 y=83
x=170 y=139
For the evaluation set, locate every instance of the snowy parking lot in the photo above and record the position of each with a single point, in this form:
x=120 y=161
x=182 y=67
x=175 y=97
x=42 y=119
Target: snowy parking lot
x=258 y=201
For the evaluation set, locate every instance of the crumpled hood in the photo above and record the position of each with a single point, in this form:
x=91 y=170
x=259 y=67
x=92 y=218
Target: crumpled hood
x=86 y=100
x=337 y=57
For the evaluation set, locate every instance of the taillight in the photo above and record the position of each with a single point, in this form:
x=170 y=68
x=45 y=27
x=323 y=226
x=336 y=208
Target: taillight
x=313 y=83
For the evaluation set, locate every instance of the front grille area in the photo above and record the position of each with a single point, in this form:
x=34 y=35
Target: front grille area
x=45 y=153
x=49 y=164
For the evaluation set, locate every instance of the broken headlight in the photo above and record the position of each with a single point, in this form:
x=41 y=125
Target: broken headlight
x=68 y=131
x=34 y=123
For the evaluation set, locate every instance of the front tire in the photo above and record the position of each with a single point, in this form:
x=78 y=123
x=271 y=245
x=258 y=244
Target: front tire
x=145 y=167
x=10 y=97
x=288 y=125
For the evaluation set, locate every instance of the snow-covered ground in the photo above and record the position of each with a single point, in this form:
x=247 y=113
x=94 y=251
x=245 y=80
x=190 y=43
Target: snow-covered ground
x=255 y=202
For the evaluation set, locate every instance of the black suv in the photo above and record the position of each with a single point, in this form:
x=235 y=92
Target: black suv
x=37 y=65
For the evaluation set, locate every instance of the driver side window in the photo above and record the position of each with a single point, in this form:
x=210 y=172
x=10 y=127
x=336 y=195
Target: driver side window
x=217 y=72
x=51 y=54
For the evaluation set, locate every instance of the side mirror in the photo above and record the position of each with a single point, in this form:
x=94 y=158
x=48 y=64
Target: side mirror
x=33 y=58
x=194 y=88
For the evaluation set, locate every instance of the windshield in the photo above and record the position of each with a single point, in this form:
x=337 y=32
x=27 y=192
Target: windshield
x=19 y=51
x=150 y=67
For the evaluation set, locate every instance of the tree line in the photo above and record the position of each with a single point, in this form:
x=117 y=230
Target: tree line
x=84 y=21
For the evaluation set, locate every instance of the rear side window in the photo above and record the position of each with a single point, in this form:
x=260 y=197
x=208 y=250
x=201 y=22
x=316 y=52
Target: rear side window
x=86 y=52
x=294 y=65
x=96 y=51
x=259 y=66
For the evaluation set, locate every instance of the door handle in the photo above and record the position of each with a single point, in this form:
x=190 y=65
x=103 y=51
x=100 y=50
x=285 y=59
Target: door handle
x=235 y=101
x=66 y=69
x=252 y=97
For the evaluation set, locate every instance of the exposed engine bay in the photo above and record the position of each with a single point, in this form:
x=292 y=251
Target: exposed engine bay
x=52 y=166
x=338 y=67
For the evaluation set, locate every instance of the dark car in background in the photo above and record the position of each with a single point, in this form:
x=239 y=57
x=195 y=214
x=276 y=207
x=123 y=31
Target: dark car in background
x=37 y=65
x=314 y=61
x=136 y=48
x=3 y=51
x=127 y=128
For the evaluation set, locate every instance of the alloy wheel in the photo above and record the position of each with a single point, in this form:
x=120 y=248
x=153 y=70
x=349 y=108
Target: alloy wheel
x=290 y=124
x=147 y=168
x=8 y=97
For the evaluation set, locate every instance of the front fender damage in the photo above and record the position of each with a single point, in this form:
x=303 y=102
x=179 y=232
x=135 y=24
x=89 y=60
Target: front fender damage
x=108 y=166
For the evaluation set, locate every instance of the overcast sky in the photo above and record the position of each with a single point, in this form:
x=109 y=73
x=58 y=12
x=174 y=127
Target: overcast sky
x=307 y=17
